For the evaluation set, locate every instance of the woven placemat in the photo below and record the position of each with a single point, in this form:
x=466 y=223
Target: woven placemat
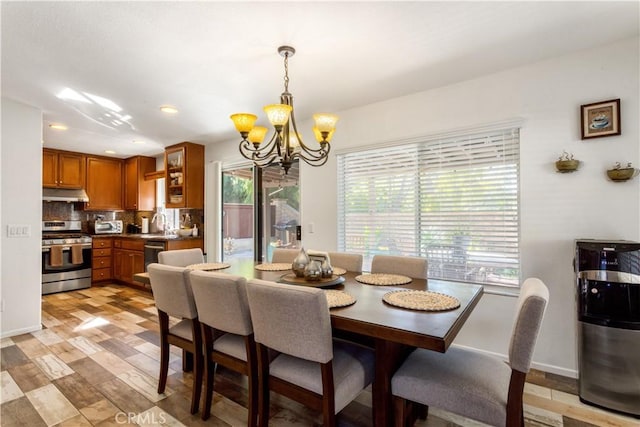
x=338 y=270
x=339 y=298
x=208 y=266
x=275 y=266
x=421 y=300
x=383 y=279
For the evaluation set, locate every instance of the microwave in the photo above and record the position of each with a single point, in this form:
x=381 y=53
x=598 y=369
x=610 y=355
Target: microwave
x=107 y=227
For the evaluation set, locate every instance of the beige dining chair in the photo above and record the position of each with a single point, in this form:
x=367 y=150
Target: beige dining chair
x=221 y=300
x=311 y=367
x=413 y=267
x=173 y=297
x=181 y=257
x=348 y=261
x=284 y=255
x=472 y=384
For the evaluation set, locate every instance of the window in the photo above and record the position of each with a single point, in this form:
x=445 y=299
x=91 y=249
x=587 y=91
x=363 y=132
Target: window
x=453 y=200
x=172 y=215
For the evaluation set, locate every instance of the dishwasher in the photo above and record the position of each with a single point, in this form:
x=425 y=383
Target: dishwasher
x=151 y=250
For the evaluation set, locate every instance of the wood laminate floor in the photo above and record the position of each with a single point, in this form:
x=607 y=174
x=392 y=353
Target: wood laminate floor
x=95 y=363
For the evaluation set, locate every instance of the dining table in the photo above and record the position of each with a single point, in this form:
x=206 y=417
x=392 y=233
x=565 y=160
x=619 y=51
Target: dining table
x=392 y=331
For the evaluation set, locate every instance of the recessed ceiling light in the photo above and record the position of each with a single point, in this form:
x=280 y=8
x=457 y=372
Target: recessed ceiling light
x=169 y=109
x=109 y=151
x=137 y=141
x=57 y=126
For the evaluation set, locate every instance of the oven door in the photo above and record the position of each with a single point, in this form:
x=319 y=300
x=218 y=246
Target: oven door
x=66 y=264
x=64 y=274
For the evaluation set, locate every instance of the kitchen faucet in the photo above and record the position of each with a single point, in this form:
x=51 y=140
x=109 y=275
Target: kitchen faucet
x=162 y=217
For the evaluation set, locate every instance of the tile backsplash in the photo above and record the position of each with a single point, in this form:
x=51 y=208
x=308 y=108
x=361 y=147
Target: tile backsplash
x=74 y=211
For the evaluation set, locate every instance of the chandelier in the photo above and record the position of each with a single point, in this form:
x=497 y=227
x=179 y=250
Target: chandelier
x=286 y=144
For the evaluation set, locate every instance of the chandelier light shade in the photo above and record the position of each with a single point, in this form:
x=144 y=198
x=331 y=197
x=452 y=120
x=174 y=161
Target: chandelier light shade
x=244 y=123
x=286 y=144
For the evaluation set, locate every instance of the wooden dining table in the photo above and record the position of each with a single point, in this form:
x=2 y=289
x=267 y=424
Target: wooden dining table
x=392 y=331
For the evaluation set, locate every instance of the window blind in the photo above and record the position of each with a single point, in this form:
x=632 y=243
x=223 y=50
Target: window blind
x=453 y=200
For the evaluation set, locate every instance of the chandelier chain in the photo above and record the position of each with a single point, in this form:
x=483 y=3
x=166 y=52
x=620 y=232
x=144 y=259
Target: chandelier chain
x=286 y=72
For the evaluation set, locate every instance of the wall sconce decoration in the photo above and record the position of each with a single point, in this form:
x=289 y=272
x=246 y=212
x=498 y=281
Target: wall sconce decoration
x=566 y=163
x=620 y=174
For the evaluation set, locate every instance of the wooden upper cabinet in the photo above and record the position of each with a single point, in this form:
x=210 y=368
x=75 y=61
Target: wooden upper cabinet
x=139 y=194
x=61 y=169
x=49 y=168
x=184 y=175
x=104 y=183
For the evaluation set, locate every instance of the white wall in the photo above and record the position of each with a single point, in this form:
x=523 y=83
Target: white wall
x=556 y=208
x=21 y=203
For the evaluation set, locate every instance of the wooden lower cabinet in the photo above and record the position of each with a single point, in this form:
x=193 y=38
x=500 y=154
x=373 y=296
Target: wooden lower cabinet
x=128 y=259
x=117 y=258
x=101 y=259
x=184 y=244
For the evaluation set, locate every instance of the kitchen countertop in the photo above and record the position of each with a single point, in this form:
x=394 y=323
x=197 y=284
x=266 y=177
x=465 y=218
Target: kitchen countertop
x=150 y=236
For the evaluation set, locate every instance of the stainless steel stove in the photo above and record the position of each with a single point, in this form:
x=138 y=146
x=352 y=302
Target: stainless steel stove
x=66 y=257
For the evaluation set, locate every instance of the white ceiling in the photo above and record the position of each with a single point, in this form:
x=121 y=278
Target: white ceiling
x=211 y=59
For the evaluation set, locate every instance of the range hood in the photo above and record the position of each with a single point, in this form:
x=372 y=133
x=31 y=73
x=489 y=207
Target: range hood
x=64 y=195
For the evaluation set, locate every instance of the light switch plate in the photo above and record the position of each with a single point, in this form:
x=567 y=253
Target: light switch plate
x=18 y=230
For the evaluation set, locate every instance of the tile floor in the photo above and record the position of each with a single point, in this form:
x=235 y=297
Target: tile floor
x=95 y=363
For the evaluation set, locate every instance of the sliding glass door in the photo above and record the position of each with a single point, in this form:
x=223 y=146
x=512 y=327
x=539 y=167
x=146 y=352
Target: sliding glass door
x=280 y=206
x=260 y=212
x=238 y=215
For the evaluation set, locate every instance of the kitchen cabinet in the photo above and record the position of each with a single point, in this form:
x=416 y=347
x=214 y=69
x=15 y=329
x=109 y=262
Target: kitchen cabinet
x=184 y=175
x=104 y=183
x=62 y=169
x=128 y=259
x=126 y=256
x=101 y=259
x=184 y=244
x=139 y=194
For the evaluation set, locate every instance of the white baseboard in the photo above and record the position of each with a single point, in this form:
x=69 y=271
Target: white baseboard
x=558 y=370
x=8 y=334
x=565 y=372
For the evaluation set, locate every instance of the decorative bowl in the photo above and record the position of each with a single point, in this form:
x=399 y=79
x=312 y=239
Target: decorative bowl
x=567 y=165
x=622 y=174
x=184 y=232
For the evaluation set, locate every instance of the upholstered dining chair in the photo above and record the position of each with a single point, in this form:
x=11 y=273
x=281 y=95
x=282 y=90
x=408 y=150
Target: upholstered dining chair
x=173 y=297
x=284 y=255
x=181 y=257
x=413 y=267
x=221 y=300
x=472 y=384
x=348 y=261
x=311 y=367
